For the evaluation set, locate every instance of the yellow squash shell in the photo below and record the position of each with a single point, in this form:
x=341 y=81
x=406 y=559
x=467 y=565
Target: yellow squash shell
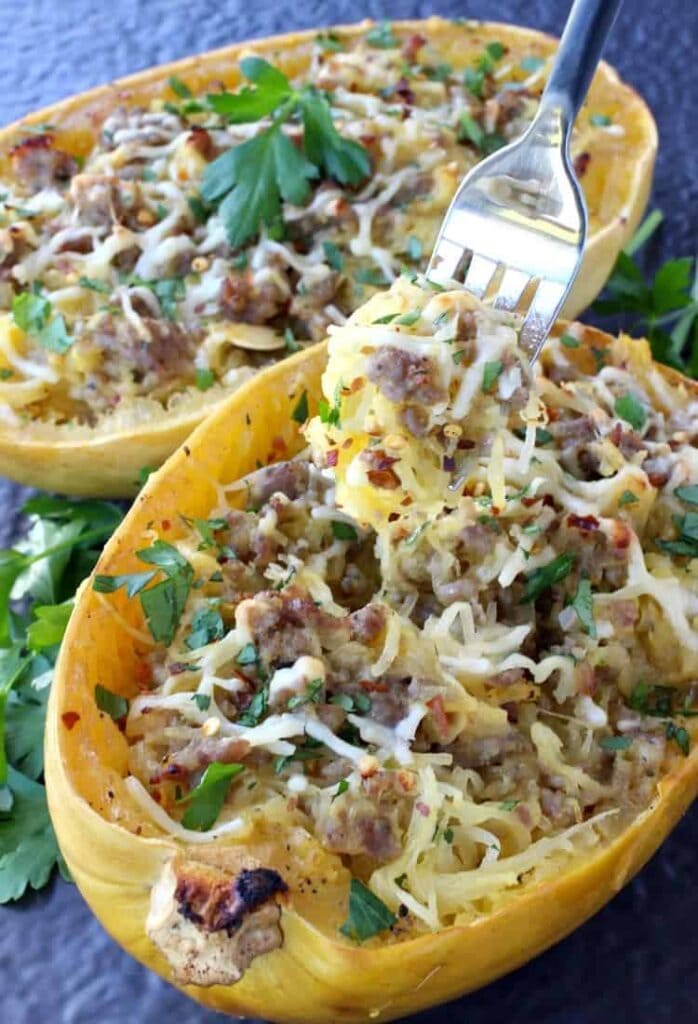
x=116 y=854
x=105 y=460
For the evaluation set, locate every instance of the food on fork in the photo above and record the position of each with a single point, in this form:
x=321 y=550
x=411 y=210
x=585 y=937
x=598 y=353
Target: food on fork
x=388 y=680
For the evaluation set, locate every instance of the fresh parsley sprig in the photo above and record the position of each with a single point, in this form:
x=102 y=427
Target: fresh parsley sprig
x=248 y=182
x=664 y=308
x=38 y=579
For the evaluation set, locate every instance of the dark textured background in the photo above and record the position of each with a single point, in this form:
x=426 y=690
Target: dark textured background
x=636 y=961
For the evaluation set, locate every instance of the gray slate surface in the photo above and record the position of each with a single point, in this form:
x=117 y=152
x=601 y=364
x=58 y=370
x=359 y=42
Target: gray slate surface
x=636 y=961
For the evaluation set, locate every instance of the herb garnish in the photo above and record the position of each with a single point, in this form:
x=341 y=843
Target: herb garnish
x=490 y=374
x=38 y=578
x=583 y=604
x=368 y=915
x=111 y=703
x=300 y=410
x=248 y=182
x=382 y=36
x=206 y=801
x=34 y=315
x=664 y=309
x=344 y=531
x=631 y=409
x=207 y=626
x=545 y=576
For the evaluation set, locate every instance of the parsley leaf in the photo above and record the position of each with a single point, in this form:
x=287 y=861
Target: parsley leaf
x=132 y=582
x=204 y=379
x=664 y=308
x=333 y=256
x=545 y=576
x=343 y=531
x=33 y=314
x=382 y=36
x=631 y=409
x=615 y=742
x=28 y=848
x=207 y=626
x=207 y=799
x=627 y=498
x=583 y=604
x=256 y=709
x=368 y=915
x=248 y=182
x=490 y=374
x=300 y=410
x=689 y=494
x=113 y=704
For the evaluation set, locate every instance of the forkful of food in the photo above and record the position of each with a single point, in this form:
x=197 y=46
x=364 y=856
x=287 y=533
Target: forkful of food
x=516 y=228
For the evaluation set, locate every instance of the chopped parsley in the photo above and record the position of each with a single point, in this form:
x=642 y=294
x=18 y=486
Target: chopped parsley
x=344 y=531
x=206 y=627
x=569 y=341
x=300 y=410
x=329 y=42
x=382 y=36
x=290 y=343
x=202 y=701
x=490 y=374
x=541 y=579
x=163 y=603
x=368 y=915
x=631 y=409
x=111 y=703
x=689 y=494
x=414 y=248
x=204 y=379
x=600 y=120
x=531 y=64
x=615 y=742
x=583 y=604
x=205 y=802
x=627 y=498
x=687 y=543
x=34 y=315
x=257 y=708
x=333 y=256
x=312 y=695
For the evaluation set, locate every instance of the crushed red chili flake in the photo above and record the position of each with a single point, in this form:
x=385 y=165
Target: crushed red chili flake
x=70 y=718
x=586 y=523
x=581 y=163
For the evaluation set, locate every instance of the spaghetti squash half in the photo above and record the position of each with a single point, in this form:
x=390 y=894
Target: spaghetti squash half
x=388 y=680
x=164 y=238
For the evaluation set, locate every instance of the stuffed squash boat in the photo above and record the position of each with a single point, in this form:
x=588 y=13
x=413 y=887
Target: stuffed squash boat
x=385 y=685
x=164 y=238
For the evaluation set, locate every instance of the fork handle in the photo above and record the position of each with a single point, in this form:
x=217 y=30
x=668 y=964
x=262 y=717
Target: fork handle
x=588 y=25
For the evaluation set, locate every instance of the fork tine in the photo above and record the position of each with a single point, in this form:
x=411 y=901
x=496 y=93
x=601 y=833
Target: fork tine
x=446 y=261
x=541 y=315
x=480 y=273
x=511 y=288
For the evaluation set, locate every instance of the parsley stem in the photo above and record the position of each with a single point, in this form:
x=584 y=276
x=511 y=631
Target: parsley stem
x=5 y=688
x=644 y=232
x=96 y=534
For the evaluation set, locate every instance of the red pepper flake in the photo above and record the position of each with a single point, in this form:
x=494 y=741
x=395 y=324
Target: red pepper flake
x=438 y=711
x=530 y=502
x=581 y=163
x=393 y=517
x=373 y=686
x=166 y=524
x=69 y=718
x=278 y=445
x=143 y=675
x=422 y=808
x=586 y=523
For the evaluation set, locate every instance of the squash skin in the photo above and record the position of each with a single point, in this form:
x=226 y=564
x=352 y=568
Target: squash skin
x=316 y=977
x=108 y=463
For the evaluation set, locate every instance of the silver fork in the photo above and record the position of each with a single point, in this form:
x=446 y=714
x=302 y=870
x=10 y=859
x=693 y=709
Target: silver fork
x=516 y=227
